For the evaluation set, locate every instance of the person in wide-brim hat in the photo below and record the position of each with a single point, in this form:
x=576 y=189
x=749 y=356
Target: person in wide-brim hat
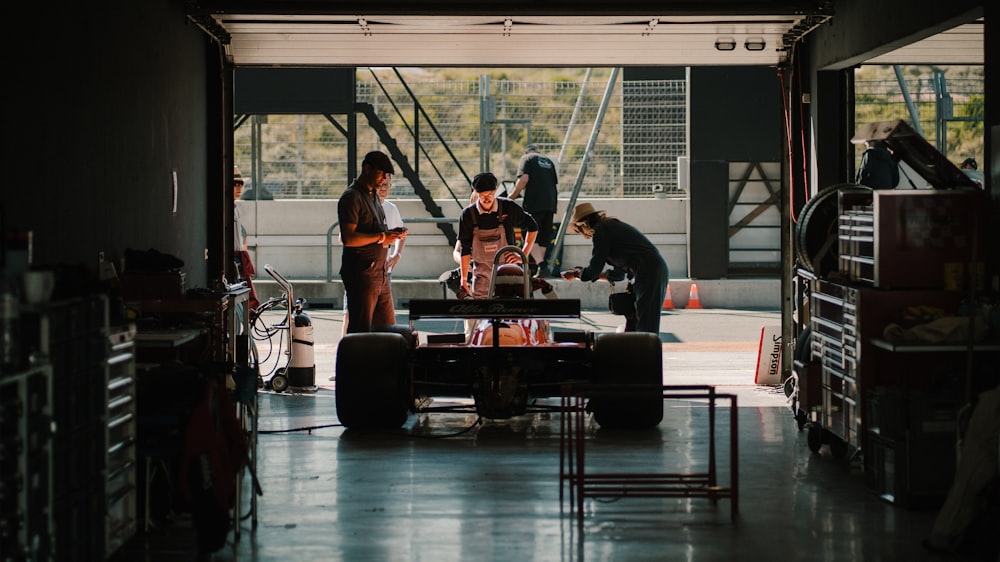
x=582 y=211
x=630 y=254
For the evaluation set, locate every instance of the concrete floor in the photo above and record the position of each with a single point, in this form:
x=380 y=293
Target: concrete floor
x=445 y=488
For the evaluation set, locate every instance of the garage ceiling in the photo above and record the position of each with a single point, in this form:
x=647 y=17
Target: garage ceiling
x=959 y=45
x=581 y=33
x=513 y=41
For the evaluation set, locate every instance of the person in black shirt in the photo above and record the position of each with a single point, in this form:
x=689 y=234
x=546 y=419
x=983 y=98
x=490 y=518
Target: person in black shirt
x=484 y=227
x=879 y=169
x=630 y=254
x=364 y=269
x=538 y=179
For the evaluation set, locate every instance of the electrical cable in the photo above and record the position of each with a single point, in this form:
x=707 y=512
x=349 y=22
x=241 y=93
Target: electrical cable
x=479 y=421
x=788 y=136
x=802 y=128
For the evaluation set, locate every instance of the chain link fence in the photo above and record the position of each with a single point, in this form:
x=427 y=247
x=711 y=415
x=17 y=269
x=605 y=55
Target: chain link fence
x=949 y=111
x=461 y=126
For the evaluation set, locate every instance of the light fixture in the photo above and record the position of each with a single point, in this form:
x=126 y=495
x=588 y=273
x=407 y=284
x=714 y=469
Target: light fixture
x=364 y=27
x=725 y=44
x=755 y=44
x=650 y=27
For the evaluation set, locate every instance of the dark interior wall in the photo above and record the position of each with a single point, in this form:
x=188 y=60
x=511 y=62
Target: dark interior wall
x=99 y=120
x=833 y=92
x=736 y=114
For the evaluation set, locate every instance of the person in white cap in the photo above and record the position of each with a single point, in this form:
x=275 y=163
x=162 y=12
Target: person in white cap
x=630 y=254
x=240 y=254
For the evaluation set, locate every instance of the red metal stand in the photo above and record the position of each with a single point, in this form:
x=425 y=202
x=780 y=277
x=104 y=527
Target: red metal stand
x=582 y=485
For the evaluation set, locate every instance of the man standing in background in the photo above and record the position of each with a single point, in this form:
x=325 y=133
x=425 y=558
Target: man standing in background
x=879 y=169
x=537 y=178
x=240 y=254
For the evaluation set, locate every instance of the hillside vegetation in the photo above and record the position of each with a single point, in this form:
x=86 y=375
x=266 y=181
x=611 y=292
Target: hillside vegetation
x=932 y=89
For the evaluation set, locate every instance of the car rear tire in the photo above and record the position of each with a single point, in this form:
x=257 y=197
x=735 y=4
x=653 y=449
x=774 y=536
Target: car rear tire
x=372 y=388
x=628 y=374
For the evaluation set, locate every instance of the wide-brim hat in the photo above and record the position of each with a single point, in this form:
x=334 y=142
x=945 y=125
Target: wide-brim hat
x=237 y=176
x=582 y=211
x=380 y=161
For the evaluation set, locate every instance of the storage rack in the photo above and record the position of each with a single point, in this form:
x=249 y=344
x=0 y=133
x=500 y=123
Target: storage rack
x=856 y=241
x=120 y=437
x=26 y=518
x=89 y=374
x=867 y=384
x=834 y=342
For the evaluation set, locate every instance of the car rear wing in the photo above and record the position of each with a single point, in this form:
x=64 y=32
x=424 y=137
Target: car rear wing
x=494 y=308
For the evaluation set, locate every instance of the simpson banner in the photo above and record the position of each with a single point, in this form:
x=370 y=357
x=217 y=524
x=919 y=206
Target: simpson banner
x=769 y=356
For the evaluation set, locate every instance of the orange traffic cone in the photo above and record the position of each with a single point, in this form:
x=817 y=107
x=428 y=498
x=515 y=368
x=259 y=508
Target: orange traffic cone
x=668 y=301
x=693 y=300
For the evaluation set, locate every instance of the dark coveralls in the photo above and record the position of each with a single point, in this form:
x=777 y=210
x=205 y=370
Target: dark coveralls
x=364 y=269
x=630 y=253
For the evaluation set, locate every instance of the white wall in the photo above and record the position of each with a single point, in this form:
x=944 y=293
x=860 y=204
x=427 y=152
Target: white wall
x=291 y=235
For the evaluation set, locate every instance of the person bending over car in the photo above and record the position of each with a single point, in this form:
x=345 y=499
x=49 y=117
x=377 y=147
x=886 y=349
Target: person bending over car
x=630 y=254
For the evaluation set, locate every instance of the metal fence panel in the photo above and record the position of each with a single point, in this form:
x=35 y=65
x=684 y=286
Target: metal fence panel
x=643 y=133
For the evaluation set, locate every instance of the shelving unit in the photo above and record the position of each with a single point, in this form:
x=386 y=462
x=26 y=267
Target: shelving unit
x=26 y=518
x=856 y=240
x=887 y=403
x=834 y=343
x=121 y=459
x=75 y=434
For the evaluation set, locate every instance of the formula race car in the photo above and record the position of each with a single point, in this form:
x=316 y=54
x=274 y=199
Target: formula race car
x=508 y=360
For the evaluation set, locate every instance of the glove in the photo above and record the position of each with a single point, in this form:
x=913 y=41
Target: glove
x=547 y=289
x=539 y=283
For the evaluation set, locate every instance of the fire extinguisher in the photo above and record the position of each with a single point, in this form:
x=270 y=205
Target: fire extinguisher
x=301 y=364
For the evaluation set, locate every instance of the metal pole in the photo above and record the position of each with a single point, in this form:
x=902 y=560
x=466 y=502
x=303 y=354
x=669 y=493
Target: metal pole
x=572 y=118
x=914 y=112
x=485 y=116
x=564 y=223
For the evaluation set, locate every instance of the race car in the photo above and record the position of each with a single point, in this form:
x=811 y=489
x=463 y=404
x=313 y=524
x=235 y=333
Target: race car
x=508 y=361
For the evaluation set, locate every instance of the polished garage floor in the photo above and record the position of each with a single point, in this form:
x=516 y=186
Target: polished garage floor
x=447 y=488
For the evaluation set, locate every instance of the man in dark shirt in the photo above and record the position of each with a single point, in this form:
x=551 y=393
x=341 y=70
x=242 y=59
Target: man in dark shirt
x=630 y=254
x=879 y=169
x=537 y=178
x=366 y=240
